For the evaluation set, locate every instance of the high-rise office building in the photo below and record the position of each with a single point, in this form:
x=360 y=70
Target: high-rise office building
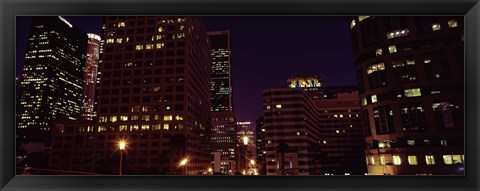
x=52 y=74
x=222 y=96
x=90 y=77
x=224 y=140
x=341 y=133
x=247 y=129
x=154 y=95
x=291 y=132
x=411 y=80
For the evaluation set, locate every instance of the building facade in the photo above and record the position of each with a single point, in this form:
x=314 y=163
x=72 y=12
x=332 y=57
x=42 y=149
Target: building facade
x=411 y=79
x=260 y=131
x=291 y=132
x=90 y=77
x=222 y=92
x=52 y=74
x=224 y=140
x=341 y=132
x=154 y=94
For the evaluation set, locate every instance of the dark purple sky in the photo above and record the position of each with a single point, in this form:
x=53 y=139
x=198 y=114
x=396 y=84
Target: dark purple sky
x=266 y=51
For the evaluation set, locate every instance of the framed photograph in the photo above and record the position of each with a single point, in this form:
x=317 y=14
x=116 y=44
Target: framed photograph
x=256 y=95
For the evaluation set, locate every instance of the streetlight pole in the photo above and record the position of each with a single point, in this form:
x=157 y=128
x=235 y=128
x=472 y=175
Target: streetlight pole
x=121 y=146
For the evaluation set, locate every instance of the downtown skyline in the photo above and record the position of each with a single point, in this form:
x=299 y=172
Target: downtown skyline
x=172 y=117
x=327 y=52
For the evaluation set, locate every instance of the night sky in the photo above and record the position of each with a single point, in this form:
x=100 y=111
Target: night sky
x=266 y=51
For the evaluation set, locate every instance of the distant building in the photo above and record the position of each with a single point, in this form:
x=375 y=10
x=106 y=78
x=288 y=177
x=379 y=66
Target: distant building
x=247 y=128
x=292 y=132
x=410 y=73
x=221 y=89
x=260 y=131
x=90 y=79
x=52 y=75
x=224 y=139
x=341 y=134
x=154 y=94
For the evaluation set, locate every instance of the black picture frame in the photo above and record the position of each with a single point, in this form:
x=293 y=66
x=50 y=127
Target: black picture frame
x=9 y=9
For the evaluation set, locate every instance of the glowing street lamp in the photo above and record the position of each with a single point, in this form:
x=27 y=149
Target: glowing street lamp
x=184 y=162
x=245 y=140
x=121 y=147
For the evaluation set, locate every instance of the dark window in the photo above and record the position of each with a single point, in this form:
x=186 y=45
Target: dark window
x=366 y=123
x=376 y=75
x=369 y=34
x=447 y=115
x=383 y=117
x=436 y=65
x=395 y=23
x=413 y=117
x=404 y=70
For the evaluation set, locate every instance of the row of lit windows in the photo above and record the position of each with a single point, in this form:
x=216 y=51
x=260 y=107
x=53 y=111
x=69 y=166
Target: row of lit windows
x=104 y=119
x=412 y=160
x=414 y=92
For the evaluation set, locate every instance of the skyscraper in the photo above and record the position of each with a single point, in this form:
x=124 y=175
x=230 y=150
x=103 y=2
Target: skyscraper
x=222 y=96
x=411 y=79
x=90 y=79
x=52 y=78
x=154 y=94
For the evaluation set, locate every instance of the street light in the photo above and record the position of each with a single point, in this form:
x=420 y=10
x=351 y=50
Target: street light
x=184 y=162
x=121 y=146
x=245 y=140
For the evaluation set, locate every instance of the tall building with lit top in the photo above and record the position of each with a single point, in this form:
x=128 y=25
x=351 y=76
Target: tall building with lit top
x=52 y=78
x=410 y=72
x=304 y=82
x=154 y=94
x=90 y=77
x=222 y=96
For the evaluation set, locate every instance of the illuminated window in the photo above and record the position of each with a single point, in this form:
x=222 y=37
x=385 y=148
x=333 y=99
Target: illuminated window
x=178 y=118
x=443 y=142
x=361 y=18
x=457 y=159
x=133 y=127
x=145 y=117
x=149 y=46
x=378 y=52
x=167 y=117
x=382 y=160
x=435 y=27
x=429 y=159
x=113 y=118
x=397 y=160
x=374 y=98
x=268 y=107
x=166 y=126
x=134 y=117
x=337 y=131
x=145 y=127
x=413 y=92
x=447 y=159
x=392 y=49
x=102 y=119
x=102 y=129
x=123 y=127
x=412 y=160
x=375 y=68
x=278 y=106
x=352 y=24
x=397 y=33
x=160 y=45
x=452 y=23
x=119 y=40
x=145 y=108
x=372 y=160
x=157 y=127
x=110 y=40
x=121 y=24
x=160 y=29
x=411 y=142
x=364 y=101
x=156 y=118
x=139 y=47
x=123 y=118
